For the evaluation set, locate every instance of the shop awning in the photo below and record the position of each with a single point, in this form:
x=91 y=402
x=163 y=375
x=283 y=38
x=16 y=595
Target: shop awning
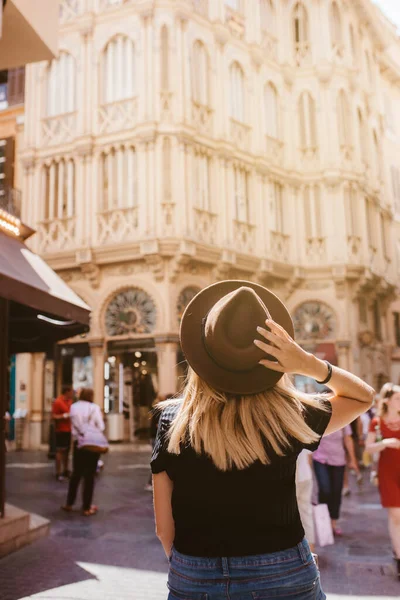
x=43 y=308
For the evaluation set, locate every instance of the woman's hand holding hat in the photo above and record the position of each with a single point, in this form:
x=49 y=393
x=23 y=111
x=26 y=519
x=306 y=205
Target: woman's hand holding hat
x=291 y=358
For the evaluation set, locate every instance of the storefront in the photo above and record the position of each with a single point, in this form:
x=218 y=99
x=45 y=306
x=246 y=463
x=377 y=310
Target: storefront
x=37 y=309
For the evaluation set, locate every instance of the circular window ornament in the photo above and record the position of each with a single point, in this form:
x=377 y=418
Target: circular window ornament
x=186 y=295
x=314 y=321
x=131 y=311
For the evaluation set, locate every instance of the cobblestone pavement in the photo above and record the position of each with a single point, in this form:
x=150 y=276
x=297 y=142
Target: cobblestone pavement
x=116 y=556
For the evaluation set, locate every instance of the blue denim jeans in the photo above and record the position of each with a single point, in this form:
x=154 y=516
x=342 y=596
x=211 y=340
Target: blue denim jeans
x=330 y=486
x=286 y=575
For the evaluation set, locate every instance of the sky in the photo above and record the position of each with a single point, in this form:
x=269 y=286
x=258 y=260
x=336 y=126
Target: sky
x=391 y=8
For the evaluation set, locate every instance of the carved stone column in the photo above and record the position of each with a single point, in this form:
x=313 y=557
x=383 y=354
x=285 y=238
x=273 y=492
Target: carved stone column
x=36 y=397
x=167 y=366
x=343 y=348
x=97 y=351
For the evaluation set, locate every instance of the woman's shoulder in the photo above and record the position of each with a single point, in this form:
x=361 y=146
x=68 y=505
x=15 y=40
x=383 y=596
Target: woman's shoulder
x=169 y=411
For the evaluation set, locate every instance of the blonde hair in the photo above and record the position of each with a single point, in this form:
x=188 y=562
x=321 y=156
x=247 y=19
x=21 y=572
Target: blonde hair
x=232 y=429
x=387 y=391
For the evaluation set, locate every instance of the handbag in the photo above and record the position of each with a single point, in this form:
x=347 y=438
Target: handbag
x=92 y=439
x=323 y=525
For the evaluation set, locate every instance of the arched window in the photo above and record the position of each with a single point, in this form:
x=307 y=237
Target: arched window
x=119 y=178
x=276 y=208
x=267 y=14
x=312 y=211
x=201 y=181
x=61 y=85
x=118 y=70
x=164 y=59
x=241 y=191
x=237 y=109
x=336 y=27
x=344 y=120
x=200 y=77
x=59 y=190
x=166 y=167
x=377 y=155
x=363 y=139
x=301 y=32
x=353 y=45
x=368 y=67
x=271 y=106
x=307 y=117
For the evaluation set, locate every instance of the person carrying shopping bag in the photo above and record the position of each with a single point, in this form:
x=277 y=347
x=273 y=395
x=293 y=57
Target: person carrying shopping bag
x=89 y=442
x=224 y=460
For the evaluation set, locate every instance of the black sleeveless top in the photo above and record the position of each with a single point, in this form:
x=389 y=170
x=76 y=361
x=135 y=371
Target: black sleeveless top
x=237 y=512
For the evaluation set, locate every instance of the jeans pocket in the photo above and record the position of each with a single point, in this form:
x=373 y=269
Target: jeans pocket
x=185 y=595
x=307 y=591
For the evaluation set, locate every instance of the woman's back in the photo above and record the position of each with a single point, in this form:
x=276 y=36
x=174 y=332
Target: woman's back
x=237 y=512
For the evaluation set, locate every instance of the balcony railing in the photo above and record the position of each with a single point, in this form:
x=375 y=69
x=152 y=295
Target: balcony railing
x=201 y=7
x=279 y=246
x=59 y=129
x=205 y=226
x=302 y=53
x=117 y=226
x=274 y=149
x=354 y=249
x=118 y=115
x=202 y=117
x=70 y=9
x=10 y=201
x=270 y=44
x=57 y=235
x=235 y=21
x=107 y=4
x=244 y=237
x=240 y=134
x=316 y=249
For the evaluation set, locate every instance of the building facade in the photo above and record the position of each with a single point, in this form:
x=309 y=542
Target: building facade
x=174 y=143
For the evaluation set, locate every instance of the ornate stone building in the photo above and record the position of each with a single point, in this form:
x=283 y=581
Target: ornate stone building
x=177 y=142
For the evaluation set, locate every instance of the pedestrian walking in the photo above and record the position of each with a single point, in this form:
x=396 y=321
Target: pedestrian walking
x=61 y=416
x=384 y=438
x=329 y=466
x=304 y=489
x=83 y=413
x=225 y=456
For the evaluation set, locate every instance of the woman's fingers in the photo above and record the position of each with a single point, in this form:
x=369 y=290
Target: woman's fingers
x=272 y=337
x=277 y=329
x=270 y=364
x=272 y=350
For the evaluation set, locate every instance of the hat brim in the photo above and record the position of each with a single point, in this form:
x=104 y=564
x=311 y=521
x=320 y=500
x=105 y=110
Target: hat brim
x=254 y=381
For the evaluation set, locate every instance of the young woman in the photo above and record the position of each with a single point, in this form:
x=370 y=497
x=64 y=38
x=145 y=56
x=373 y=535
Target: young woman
x=329 y=467
x=225 y=456
x=384 y=438
x=84 y=461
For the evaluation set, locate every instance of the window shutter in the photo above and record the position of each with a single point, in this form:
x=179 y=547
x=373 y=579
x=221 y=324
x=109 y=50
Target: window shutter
x=16 y=86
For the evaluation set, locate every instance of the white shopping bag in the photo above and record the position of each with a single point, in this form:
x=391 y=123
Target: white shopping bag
x=323 y=525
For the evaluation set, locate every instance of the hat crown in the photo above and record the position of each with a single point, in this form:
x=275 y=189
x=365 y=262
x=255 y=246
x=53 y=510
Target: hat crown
x=231 y=327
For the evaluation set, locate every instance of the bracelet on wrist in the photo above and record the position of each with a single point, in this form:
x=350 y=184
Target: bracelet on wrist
x=328 y=377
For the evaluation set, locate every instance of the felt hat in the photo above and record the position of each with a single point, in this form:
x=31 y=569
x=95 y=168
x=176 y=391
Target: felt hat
x=218 y=330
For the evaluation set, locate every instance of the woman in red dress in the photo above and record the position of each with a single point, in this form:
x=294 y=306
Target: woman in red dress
x=384 y=438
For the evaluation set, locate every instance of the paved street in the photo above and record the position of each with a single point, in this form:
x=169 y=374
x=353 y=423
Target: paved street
x=115 y=555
